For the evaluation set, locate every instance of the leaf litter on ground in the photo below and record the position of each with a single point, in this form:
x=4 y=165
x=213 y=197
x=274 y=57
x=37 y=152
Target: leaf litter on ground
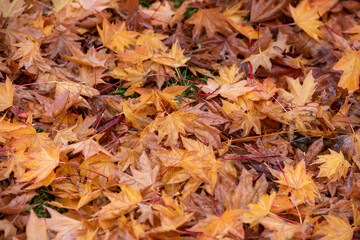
x=179 y=119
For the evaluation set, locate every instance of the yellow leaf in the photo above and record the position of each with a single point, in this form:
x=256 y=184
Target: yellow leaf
x=350 y=64
x=307 y=18
x=334 y=229
x=6 y=95
x=300 y=183
x=334 y=166
x=120 y=203
x=299 y=94
x=116 y=37
x=228 y=84
x=174 y=58
x=260 y=209
x=220 y=226
x=41 y=164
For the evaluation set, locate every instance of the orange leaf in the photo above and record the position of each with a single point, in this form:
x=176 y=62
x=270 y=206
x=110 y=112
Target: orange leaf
x=334 y=229
x=259 y=210
x=6 y=95
x=307 y=18
x=350 y=64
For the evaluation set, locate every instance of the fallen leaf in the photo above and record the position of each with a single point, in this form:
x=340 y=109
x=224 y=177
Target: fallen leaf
x=350 y=65
x=334 y=228
x=333 y=166
x=259 y=210
x=299 y=94
x=36 y=228
x=307 y=18
x=6 y=95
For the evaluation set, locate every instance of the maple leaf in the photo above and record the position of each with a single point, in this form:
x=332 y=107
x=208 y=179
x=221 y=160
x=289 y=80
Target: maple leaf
x=350 y=64
x=282 y=229
x=36 y=228
x=98 y=5
x=245 y=116
x=144 y=177
x=132 y=76
x=103 y=119
x=10 y=9
x=151 y=40
x=259 y=210
x=246 y=190
x=172 y=214
x=74 y=88
x=27 y=137
x=299 y=94
x=307 y=18
x=53 y=108
x=323 y=6
x=335 y=228
x=59 y=39
x=265 y=90
x=228 y=84
x=91 y=58
x=65 y=227
x=115 y=36
x=178 y=123
x=137 y=56
x=83 y=127
x=263 y=57
x=172 y=126
x=263 y=10
x=6 y=95
x=300 y=183
x=210 y=19
x=136 y=114
x=41 y=164
x=175 y=58
x=333 y=166
x=88 y=147
x=161 y=13
x=100 y=163
x=160 y=98
x=29 y=55
x=120 y=203
x=64 y=136
x=220 y=226
x=236 y=19
x=198 y=162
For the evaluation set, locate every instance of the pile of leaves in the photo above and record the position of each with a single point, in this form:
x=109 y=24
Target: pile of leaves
x=196 y=119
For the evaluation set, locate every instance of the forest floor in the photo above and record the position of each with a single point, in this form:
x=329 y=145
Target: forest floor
x=179 y=119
